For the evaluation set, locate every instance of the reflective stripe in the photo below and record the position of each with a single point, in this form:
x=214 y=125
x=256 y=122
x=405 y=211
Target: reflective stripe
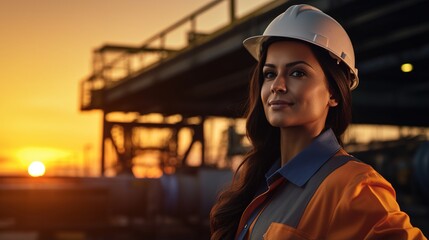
x=290 y=201
x=252 y=210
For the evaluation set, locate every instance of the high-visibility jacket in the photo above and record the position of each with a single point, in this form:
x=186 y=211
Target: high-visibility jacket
x=324 y=193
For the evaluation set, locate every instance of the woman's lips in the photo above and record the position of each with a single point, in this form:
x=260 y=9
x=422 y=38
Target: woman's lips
x=279 y=104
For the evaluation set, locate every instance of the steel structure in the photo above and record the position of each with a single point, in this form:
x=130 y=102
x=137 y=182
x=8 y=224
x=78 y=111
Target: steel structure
x=208 y=76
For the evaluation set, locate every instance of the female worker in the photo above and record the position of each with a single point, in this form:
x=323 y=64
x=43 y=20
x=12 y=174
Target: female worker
x=298 y=182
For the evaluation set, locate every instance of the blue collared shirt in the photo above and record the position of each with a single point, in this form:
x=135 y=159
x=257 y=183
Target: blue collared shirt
x=301 y=167
x=306 y=163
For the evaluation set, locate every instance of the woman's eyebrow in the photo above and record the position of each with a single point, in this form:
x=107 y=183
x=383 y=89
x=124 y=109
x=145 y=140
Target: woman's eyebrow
x=291 y=64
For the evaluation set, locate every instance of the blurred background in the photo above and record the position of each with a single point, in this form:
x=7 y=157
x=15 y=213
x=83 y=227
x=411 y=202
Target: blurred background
x=123 y=119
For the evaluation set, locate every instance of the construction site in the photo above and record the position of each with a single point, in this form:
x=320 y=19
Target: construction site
x=173 y=128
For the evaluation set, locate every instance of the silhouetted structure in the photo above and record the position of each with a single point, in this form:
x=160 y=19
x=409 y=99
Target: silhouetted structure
x=208 y=76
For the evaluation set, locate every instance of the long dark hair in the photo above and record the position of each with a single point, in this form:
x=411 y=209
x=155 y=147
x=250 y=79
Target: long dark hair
x=265 y=139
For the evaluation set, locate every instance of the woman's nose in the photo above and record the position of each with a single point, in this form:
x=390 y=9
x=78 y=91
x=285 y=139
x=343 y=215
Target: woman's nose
x=279 y=85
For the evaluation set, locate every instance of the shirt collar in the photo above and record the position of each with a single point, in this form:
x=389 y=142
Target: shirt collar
x=306 y=163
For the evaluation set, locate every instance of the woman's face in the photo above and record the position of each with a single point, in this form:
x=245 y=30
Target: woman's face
x=295 y=91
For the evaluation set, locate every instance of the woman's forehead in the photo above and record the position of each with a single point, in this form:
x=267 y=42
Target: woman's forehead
x=290 y=51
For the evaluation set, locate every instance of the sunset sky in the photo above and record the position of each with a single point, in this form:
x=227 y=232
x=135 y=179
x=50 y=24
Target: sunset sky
x=46 y=51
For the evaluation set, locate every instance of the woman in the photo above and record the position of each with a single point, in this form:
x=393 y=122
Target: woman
x=297 y=182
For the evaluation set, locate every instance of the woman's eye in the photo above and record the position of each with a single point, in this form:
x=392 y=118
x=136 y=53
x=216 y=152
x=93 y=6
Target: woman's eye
x=269 y=75
x=297 y=74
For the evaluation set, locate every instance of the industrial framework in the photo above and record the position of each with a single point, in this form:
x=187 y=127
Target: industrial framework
x=207 y=75
x=114 y=66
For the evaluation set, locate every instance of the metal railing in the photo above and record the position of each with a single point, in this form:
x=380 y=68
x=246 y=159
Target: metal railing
x=115 y=63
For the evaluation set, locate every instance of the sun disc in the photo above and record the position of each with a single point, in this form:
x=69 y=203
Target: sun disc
x=36 y=169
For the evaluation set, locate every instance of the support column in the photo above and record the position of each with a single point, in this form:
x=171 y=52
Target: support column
x=203 y=144
x=232 y=11
x=103 y=144
x=126 y=157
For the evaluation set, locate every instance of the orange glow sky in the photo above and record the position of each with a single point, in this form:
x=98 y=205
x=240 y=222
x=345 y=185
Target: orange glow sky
x=46 y=50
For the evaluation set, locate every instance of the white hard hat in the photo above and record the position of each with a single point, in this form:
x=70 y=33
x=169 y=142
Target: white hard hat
x=309 y=24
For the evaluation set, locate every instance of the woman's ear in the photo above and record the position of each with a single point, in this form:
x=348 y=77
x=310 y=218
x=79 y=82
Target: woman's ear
x=332 y=101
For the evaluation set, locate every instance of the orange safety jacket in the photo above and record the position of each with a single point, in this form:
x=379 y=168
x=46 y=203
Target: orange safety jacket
x=324 y=193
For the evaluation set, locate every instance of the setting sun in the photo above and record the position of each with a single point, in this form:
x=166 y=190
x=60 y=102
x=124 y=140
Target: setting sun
x=36 y=169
